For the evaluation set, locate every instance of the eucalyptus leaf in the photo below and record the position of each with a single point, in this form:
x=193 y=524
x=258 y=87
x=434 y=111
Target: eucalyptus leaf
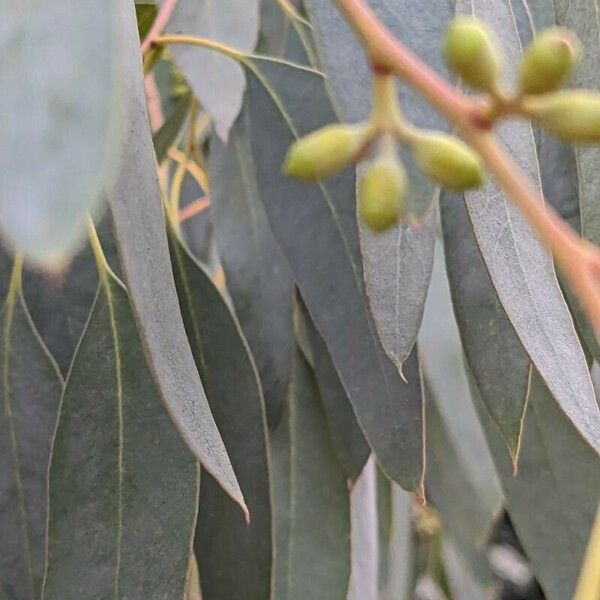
x=521 y=269
x=397 y=263
x=139 y=225
x=123 y=486
x=347 y=438
x=319 y=534
x=59 y=125
x=217 y=81
x=552 y=499
x=164 y=138
x=258 y=276
x=316 y=228
x=234 y=556
x=31 y=392
x=145 y=13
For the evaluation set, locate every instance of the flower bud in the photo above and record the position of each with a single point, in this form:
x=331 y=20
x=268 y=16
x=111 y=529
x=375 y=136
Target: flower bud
x=381 y=193
x=472 y=53
x=447 y=160
x=325 y=151
x=549 y=60
x=572 y=115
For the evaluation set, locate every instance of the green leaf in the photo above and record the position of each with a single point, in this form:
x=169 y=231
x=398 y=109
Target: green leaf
x=145 y=13
x=521 y=269
x=217 y=81
x=123 y=486
x=552 y=500
x=316 y=228
x=165 y=137
x=397 y=264
x=139 y=224
x=347 y=438
x=30 y=397
x=258 y=277
x=234 y=557
x=319 y=530
x=63 y=126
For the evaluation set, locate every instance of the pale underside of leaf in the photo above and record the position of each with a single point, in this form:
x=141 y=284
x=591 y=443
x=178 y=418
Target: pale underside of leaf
x=59 y=124
x=139 y=224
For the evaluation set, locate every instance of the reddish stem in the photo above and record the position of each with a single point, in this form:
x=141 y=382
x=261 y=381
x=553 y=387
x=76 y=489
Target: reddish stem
x=160 y=22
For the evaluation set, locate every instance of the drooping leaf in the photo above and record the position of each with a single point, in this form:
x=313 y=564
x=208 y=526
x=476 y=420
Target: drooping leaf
x=461 y=580
x=62 y=129
x=139 y=225
x=167 y=134
x=217 y=81
x=364 y=573
x=234 y=557
x=552 y=500
x=397 y=264
x=347 y=438
x=442 y=363
x=145 y=13
x=30 y=398
x=319 y=531
x=280 y=453
x=258 y=277
x=521 y=270
x=123 y=485
x=316 y=228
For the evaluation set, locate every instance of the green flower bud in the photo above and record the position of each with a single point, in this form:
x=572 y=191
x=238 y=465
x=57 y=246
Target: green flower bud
x=549 y=60
x=472 y=53
x=325 y=151
x=447 y=160
x=381 y=192
x=573 y=116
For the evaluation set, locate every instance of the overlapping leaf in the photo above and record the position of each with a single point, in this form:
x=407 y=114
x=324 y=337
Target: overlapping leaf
x=62 y=128
x=30 y=397
x=234 y=556
x=318 y=560
x=258 y=277
x=217 y=81
x=139 y=225
x=316 y=227
x=123 y=485
x=521 y=270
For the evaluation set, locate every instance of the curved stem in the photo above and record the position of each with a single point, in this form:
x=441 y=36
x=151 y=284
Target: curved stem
x=578 y=259
x=201 y=42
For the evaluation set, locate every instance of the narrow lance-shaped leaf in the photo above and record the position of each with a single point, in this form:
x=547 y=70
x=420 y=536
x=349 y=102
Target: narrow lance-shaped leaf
x=316 y=227
x=164 y=138
x=347 y=438
x=62 y=127
x=397 y=263
x=319 y=543
x=30 y=397
x=217 y=81
x=139 y=224
x=123 y=485
x=258 y=276
x=552 y=500
x=521 y=270
x=234 y=557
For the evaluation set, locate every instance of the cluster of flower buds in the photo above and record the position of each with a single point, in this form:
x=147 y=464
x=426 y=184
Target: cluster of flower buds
x=472 y=52
x=382 y=188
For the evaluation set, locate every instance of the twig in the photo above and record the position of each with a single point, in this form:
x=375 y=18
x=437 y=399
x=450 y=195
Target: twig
x=160 y=22
x=193 y=208
x=578 y=259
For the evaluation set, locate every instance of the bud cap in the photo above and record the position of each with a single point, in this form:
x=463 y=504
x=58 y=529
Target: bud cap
x=472 y=52
x=381 y=193
x=549 y=61
x=325 y=151
x=447 y=160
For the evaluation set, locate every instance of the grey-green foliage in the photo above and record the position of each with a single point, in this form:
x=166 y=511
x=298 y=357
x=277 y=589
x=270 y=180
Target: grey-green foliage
x=30 y=397
x=123 y=485
x=59 y=142
x=234 y=556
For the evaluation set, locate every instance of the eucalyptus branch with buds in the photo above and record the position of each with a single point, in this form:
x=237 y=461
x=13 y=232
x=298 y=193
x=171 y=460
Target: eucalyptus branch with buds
x=572 y=115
